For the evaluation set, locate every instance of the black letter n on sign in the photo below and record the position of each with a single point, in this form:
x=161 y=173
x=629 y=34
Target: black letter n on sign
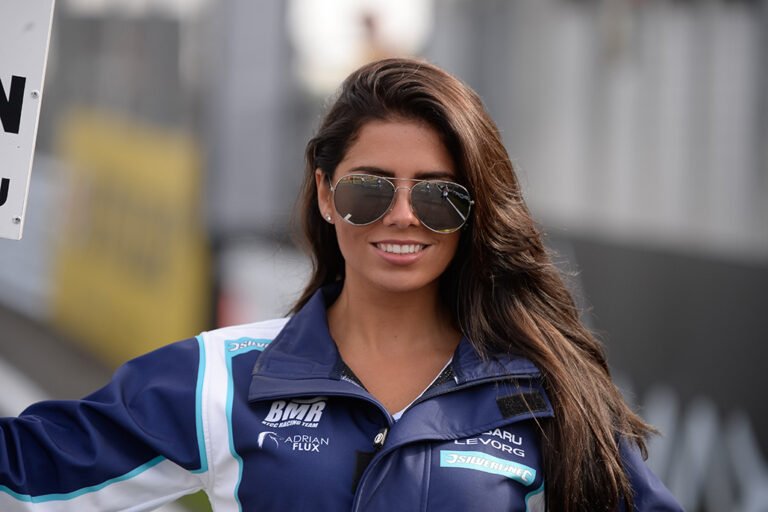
x=10 y=104
x=5 y=184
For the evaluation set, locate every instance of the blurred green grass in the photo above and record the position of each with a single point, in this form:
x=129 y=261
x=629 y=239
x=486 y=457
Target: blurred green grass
x=197 y=502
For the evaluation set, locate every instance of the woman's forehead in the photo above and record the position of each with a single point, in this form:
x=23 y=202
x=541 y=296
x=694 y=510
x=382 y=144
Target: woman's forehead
x=398 y=148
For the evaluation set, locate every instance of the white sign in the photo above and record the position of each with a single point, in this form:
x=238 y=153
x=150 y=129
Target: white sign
x=25 y=30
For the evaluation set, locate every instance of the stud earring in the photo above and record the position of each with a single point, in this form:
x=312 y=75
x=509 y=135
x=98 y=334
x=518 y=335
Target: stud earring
x=327 y=217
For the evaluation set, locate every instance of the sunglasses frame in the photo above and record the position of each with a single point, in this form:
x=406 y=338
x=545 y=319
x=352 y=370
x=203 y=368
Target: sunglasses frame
x=395 y=187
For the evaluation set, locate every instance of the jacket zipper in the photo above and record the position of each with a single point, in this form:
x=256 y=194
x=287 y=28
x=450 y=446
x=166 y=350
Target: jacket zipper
x=379 y=449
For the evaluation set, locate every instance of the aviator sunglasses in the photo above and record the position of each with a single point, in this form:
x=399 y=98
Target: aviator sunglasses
x=362 y=199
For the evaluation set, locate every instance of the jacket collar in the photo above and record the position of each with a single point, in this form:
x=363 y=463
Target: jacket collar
x=304 y=355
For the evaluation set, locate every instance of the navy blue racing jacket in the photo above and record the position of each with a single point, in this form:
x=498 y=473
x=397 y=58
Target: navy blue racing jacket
x=266 y=417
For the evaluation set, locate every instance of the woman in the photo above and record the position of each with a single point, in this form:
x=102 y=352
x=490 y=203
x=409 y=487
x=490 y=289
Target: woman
x=435 y=360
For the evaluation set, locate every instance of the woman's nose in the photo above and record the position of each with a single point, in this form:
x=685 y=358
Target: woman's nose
x=401 y=214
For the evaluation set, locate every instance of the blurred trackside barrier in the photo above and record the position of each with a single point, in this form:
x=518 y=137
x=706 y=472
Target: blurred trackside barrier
x=131 y=263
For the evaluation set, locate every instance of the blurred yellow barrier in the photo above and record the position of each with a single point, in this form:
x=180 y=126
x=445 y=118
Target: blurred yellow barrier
x=131 y=263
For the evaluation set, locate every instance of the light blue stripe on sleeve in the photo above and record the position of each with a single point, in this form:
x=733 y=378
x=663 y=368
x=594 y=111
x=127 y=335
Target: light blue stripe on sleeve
x=199 y=408
x=535 y=501
x=235 y=348
x=75 y=494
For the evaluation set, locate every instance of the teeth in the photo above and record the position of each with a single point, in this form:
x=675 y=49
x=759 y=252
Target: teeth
x=400 y=249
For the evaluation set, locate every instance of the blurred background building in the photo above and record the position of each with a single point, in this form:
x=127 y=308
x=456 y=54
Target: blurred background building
x=171 y=149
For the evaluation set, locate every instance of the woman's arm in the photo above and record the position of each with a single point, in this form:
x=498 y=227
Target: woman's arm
x=132 y=445
x=650 y=494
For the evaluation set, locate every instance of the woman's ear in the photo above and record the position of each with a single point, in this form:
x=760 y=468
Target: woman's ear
x=324 y=195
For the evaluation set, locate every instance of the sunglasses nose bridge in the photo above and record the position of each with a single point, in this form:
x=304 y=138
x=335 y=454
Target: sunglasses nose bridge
x=395 y=209
x=408 y=194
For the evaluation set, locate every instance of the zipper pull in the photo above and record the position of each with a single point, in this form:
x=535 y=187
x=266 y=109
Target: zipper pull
x=378 y=441
x=365 y=458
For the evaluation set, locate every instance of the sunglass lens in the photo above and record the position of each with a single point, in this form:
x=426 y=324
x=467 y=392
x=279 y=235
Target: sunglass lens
x=441 y=205
x=362 y=199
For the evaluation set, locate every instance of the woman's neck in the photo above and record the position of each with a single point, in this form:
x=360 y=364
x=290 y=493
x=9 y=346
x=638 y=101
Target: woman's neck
x=391 y=324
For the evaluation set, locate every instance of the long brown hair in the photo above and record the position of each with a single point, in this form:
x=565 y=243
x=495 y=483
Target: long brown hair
x=502 y=288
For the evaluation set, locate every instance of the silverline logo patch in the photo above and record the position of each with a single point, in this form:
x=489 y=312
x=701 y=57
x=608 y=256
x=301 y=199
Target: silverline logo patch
x=301 y=412
x=244 y=344
x=479 y=461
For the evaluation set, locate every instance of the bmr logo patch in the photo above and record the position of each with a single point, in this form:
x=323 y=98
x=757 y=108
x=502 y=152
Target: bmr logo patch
x=302 y=412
